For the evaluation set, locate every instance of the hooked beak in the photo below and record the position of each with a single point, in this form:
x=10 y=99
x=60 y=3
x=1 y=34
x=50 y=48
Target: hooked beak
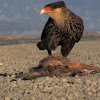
x=42 y=12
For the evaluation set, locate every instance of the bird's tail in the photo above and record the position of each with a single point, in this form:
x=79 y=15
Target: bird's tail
x=40 y=45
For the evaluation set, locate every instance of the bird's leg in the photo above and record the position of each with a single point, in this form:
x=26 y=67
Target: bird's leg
x=52 y=52
x=85 y=74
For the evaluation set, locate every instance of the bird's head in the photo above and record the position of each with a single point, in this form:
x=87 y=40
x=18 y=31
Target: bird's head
x=50 y=8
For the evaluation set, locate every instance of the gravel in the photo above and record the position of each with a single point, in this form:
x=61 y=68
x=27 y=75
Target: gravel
x=22 y=57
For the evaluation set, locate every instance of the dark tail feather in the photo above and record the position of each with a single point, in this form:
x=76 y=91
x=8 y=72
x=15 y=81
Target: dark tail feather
x=40 y=45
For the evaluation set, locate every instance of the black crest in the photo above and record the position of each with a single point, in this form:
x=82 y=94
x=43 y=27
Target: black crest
x=55 y=5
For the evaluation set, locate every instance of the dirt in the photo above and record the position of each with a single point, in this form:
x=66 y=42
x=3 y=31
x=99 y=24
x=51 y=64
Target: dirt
x=22 y=57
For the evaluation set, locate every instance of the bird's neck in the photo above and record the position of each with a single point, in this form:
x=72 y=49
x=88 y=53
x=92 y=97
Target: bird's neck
x=59 y=16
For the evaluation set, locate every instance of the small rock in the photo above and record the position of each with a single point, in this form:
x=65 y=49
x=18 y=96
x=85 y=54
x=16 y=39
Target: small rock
x=33 y=98
x=7 y=98
x=90 y=93
x=1 y=64
x=64 y=80
x=88 y=82
x=67 y=84
x=47 y=78
x=27 y=91
x=13 y=85
x=13 y=76
x=98 y=94
x=53 y=98
x=8 y=80
x=94 y=83
x=19 y=81
x=94 y=90
x=40 y=86
x=62 y=98
x=98 y=88
x=70 y=97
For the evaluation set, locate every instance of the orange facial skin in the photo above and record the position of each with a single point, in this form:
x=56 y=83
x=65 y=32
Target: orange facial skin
x=45 y=10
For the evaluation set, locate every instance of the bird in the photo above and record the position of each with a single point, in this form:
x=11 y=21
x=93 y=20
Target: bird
x=63 y=28
x=59 y=66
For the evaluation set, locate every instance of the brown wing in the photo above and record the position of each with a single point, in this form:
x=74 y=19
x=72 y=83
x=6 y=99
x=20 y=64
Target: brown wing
x=49 y=27
x=76 y=28
x=50 y=35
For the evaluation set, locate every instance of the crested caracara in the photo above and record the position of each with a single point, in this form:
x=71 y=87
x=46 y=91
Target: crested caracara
x=63 y=28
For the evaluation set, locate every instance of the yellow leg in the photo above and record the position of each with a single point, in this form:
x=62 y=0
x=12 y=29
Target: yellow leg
x=52 y=52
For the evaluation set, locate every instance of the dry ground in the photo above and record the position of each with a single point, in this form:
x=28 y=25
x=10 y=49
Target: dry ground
x=21 y=57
